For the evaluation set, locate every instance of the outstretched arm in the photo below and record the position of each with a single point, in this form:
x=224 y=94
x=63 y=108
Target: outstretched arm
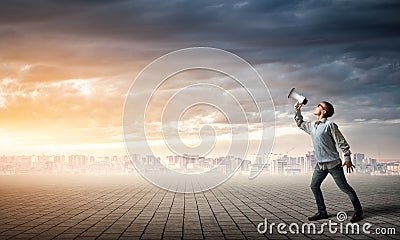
x=303 y=125
x=342 y=143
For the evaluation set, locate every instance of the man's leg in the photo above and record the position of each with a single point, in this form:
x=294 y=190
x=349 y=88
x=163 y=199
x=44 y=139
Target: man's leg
x=340 y=180
x=317 y=178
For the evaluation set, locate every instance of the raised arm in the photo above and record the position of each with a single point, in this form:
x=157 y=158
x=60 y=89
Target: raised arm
x=303 y=125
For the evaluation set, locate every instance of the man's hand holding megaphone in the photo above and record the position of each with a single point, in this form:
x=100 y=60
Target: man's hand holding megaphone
x=297 y=106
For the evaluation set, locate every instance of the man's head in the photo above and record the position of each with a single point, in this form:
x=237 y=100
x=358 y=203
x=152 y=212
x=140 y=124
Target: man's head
x=324 y=108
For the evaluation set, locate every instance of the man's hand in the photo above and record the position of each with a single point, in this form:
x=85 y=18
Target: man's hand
x=350 y=166
x=297 y=106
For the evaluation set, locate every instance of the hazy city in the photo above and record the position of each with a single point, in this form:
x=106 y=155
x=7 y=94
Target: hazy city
x=279 y=164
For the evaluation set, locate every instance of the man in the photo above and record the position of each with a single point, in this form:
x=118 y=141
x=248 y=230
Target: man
x=325 y=136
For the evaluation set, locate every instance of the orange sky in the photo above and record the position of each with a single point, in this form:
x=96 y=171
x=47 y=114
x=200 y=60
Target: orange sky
x=51 y=94
x=69 y=100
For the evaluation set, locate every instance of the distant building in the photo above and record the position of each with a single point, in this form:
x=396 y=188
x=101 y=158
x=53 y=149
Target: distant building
x=358 y=159
x=371 y=161
x=309 y=162
x=77 y=161
x=279 y=166
x=393 y=168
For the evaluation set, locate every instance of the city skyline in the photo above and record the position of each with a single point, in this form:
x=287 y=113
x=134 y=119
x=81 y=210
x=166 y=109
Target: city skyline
x=184 y=164
x=66 y=69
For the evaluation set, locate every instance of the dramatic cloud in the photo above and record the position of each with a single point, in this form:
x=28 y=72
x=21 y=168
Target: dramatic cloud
x=69 y=64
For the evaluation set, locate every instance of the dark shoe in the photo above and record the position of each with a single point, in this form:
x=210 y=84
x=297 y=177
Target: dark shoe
x=357 y=216
x=318 y=216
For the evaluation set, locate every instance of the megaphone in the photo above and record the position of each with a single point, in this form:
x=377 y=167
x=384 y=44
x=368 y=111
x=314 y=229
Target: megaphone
x=300 y=98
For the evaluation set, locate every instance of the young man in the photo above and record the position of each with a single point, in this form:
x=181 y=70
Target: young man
x=325 y=136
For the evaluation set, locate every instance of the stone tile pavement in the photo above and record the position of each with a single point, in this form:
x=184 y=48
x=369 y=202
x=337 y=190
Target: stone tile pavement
x=128 y=207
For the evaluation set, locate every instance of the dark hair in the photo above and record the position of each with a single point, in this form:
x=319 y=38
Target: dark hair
x=329 y=109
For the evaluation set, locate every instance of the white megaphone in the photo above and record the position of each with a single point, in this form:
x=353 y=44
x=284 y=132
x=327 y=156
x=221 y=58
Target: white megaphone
x=300 y=98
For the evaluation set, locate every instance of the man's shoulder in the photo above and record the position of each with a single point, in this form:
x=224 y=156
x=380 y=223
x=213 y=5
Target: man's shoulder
x=330 y=123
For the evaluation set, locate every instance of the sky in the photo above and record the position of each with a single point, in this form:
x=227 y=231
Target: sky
x=66 y=68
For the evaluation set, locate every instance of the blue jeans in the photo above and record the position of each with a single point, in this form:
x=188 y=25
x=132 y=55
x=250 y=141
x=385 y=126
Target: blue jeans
x=340 y=180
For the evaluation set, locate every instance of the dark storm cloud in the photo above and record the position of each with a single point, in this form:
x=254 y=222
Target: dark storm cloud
x=346 y=51
x=257 y=23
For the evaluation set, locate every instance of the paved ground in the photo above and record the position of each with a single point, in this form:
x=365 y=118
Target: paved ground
x=127 y=207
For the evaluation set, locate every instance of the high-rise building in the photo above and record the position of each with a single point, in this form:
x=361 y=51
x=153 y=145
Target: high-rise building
x=371 y=161
x=77 y=161
x=358 y=159
x=309 y=162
